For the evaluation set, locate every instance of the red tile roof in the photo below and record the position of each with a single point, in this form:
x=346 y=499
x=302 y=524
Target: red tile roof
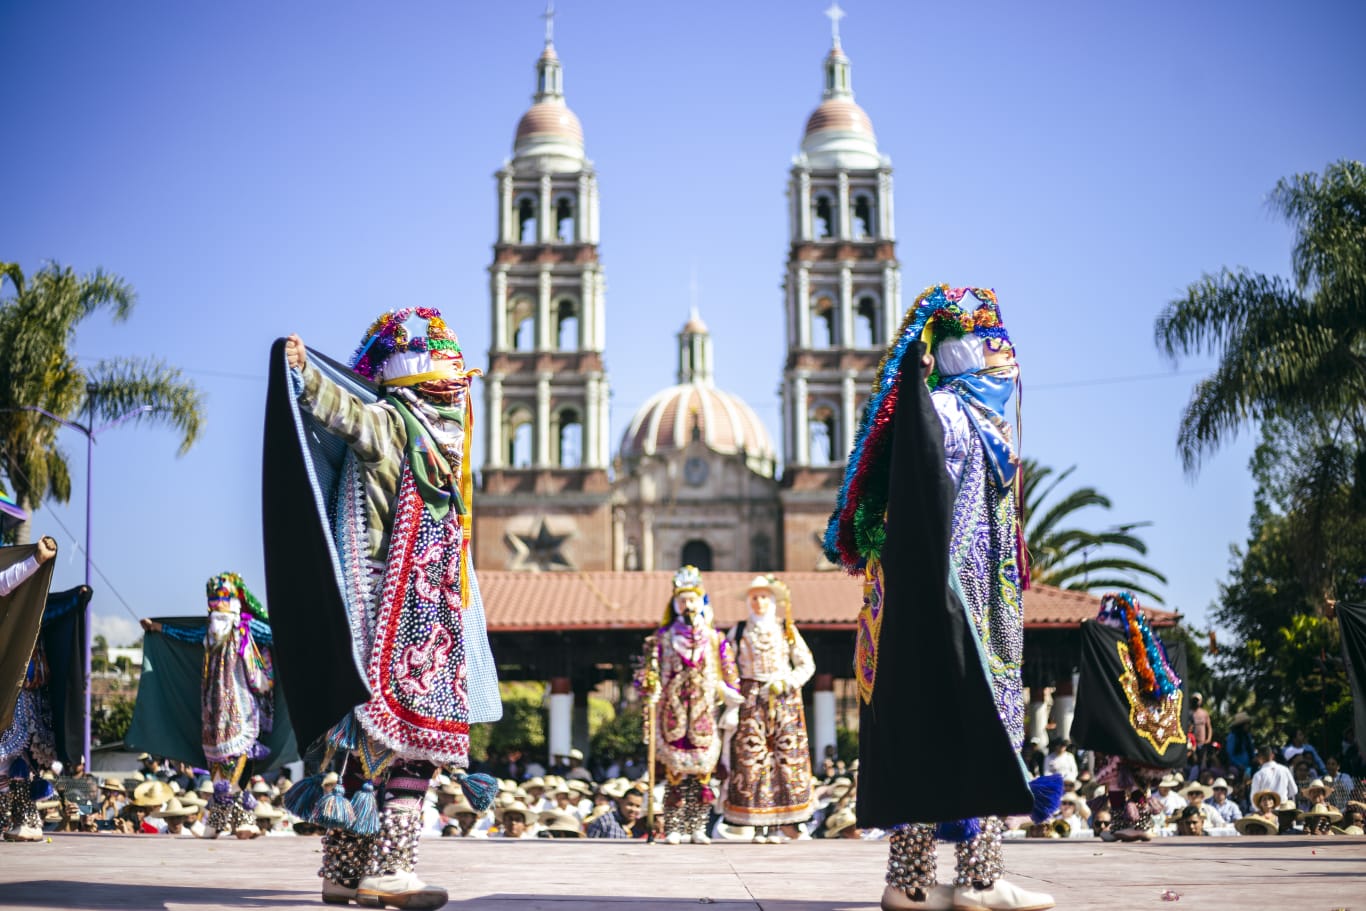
x=636 y=600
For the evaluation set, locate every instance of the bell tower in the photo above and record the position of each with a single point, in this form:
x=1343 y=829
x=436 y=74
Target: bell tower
x=544 y=490
x=842 y=300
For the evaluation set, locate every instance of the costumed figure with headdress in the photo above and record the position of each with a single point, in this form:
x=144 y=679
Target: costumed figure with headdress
x=26 y=737
x=768 y=760
x=688 y=674
x=928 y=513
x=379 y=628
x=236 y=697
x=1131 y=711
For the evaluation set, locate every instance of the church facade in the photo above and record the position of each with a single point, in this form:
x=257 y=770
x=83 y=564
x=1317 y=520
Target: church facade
x=695 y=477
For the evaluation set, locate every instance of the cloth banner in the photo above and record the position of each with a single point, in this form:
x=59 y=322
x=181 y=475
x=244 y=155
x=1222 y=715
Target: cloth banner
x=1111 y=714
x=168 y=717
x=63 y=635
x=21 y=617
x=1352 y=618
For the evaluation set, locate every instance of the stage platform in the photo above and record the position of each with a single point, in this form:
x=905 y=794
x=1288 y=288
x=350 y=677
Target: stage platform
x=152 y=872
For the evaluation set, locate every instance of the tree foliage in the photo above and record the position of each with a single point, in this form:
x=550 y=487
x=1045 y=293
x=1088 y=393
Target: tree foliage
x=522 y=727
x=38 y=322
x=1074 y=558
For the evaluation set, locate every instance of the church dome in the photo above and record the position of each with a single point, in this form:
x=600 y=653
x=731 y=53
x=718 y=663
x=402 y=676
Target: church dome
x=839 y=133
x=549 y=130
x=723 y=423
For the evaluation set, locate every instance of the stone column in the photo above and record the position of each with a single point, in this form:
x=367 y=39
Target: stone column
x=500 y=310
x=542 y=434
x=647 y=540
x=544 y=323
x=1064 y=707
x=890 y=311
x=581 y=210
x=507 y=219
x=547 y=220
x=843 y=229
x=799 y=417
x=618 y=539
x=846 y=314
x=493 y=453
x=848 y=417
x=822 y=731
x=558 y=735
x=803 y=307
x=1036 y=716
x=804 y=205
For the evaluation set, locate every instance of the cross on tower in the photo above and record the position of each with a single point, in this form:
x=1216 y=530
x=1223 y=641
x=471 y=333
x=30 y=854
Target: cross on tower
x=835 y=14
x=549 y=17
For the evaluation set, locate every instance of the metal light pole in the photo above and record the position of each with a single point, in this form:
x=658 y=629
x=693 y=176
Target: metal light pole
x=87 y=430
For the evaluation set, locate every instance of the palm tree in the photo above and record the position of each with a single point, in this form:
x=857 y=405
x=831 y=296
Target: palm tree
x=1284 y=349
x=1062 y=556
x=37 y=325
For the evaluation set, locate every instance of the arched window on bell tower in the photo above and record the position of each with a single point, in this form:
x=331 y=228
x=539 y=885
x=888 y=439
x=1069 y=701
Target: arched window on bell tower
x=823 y=217
x=696 y=553
x=522 y=324
x=520 y=432
x=866 y=320
x=526 y=220
x=824 y=429
x=564 y=219
x=567 y=325
x=824 y=319
x=864 y=216
x=568 y=438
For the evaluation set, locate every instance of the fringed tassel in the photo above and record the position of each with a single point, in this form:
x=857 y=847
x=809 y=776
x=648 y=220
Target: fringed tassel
x=334 y=810
x=222 y=793
x=345 y=735
x=365 y=810
x=1047 y=791
x=19 y=769
x=959 y=831
x=41 y=789
x=248 y=801
x=303 y=796
x=480 y=790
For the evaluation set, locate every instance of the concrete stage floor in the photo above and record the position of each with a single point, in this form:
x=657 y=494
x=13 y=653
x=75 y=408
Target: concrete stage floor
x=150 y=872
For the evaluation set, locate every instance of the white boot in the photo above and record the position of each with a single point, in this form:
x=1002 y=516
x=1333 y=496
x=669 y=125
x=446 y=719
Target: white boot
x=399 y=890
x=700 y=837
x=1000 y=896
x=939 y=898
x=673 y=838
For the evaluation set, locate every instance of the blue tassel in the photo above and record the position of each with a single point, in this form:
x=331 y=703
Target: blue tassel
x=960 y=830
x=248 y=801
x=41 y=789
x=222 y=793
x=303 y=796
x=19 y=769
x=480 y=790
x=334 y=810
x=1047 y=790
x=366 y=811
x=345 y=734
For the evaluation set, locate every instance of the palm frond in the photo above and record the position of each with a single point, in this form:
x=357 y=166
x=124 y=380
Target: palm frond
x=121 y=386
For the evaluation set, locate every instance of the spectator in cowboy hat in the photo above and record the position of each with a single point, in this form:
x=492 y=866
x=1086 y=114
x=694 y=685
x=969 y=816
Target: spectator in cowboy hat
x=1264 y=804
x=1287 y=817
x=1256 y=825
x=113 y=796
x=1195 y=794
x=560 y=824
x=535 y=794
x=842 y=824
x=576 y=769
x=1227 y=809
x=1272 y=776
x=1313 y=792
x=1167 y=801
x=1319 y=819
x=463 y=818
x=514 y=820
x=1069 y=812
x=177 y=816
x=1354 y=814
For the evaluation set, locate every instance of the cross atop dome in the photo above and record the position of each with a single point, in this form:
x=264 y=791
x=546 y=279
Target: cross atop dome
x=835 y=14
x=549 y=17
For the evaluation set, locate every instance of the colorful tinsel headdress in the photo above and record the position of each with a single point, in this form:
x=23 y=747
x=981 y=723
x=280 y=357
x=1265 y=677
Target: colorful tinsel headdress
x=1156 y=677
x=387 y=355
x=227 y=586
x=855 y=531
x=688 y=579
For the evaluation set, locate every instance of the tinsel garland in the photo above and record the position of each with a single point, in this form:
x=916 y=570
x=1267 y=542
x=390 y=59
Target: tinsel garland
x=1157 y=679
x=387 y=335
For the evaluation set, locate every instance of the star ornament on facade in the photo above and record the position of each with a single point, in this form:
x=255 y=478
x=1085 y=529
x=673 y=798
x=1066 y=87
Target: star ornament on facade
x=539 y=551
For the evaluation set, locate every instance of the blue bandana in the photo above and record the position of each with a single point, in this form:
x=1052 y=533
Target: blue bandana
x=984 y=398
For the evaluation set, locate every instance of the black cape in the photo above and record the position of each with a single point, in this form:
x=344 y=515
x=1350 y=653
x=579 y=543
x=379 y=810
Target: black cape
x=1101 y=721
x=63 y=636
x=931 y=697
x=300 y=464
x=1352 y=618
x=168 y=717
x=21 y=617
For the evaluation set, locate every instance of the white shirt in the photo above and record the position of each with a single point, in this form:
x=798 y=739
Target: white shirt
x=1273 y=776
x=15 y=575
x=1064 y=764
x=1172 y=804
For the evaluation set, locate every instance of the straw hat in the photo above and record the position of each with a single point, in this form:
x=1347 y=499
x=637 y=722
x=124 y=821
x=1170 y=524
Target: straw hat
x=840 y=821
x=1257 y=798
x=561 y=789
x=515 y=806
x=1287 y=807
x=583 y=788
x=191 y=799
x=1349 y=830
x=1219 y=783
x=112 y=784
x=1240 y=718
x=1205 y=791
x=459 y=805
x=1169 y=781
x=1318 y=783
x=175 y=808
x=205 y=786
x=1356 y=805
x=576 y=753
x=1255 y=825
x=537 y=782
x=760 y=583
x=1332 y=814
x=259 y=786
x=266 y=811
x=152 y=793
x=566 y=824
x=840 y=786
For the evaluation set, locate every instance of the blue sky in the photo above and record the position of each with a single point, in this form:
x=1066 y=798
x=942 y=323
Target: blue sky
x=259 y=168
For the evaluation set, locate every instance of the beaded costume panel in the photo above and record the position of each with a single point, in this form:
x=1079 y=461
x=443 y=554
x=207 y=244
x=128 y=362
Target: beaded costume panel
x=694 y=668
